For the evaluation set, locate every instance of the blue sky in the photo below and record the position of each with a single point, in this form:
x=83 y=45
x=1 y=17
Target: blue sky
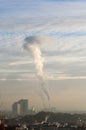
x=63 y=22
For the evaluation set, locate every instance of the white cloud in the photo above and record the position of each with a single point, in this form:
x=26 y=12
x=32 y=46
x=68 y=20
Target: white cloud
x=20 y=63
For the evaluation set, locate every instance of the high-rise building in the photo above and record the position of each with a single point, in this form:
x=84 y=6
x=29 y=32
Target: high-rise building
x=23 y=106
x=20 y=107
x=16 y=109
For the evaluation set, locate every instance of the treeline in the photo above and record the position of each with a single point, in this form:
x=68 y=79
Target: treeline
x=51 y=117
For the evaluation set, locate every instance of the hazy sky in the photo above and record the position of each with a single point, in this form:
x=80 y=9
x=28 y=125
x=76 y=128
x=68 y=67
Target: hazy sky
x=63 y=24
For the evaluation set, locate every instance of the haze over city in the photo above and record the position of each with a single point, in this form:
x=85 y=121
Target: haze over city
x=43 y=53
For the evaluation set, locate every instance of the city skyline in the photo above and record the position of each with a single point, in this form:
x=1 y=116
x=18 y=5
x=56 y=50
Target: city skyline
x=59 y=27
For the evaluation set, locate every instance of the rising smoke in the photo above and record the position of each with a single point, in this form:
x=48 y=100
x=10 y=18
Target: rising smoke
x=32 y=44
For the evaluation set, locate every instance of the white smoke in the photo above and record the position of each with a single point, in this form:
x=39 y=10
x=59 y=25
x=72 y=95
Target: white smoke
x=38 y=60
x=32 y=45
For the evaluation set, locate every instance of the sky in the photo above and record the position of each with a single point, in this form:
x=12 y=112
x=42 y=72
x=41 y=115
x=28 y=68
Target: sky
x=62 y=24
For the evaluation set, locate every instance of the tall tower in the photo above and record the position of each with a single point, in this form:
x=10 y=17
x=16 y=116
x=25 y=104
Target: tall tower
x=20 y=107
x=23 y=106
x=16 y=109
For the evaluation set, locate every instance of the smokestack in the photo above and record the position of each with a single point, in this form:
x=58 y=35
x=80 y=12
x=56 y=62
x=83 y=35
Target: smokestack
x=32 y=44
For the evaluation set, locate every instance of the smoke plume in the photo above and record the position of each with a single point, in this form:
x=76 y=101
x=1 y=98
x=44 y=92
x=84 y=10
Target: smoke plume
x=32 y=45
